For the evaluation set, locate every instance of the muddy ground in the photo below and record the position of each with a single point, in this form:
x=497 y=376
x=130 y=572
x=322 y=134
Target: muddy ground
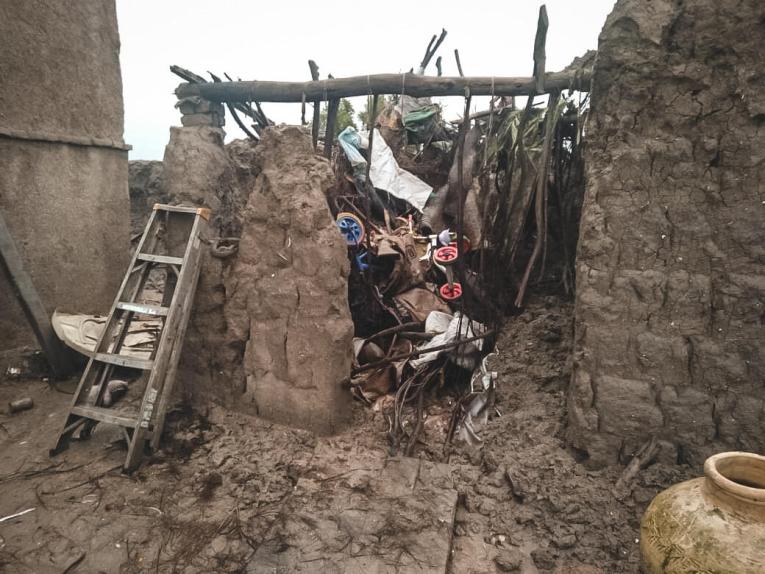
x=230 y=493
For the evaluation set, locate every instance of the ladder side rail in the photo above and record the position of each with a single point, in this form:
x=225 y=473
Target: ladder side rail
x=153 y=387
x=63 y=437
x=167 y=387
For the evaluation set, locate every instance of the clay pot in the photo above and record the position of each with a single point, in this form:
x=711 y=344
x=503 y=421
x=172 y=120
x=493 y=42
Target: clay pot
x=714 y=524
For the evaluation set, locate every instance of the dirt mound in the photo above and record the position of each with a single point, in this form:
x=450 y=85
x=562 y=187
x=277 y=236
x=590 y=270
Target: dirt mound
x=530 y=503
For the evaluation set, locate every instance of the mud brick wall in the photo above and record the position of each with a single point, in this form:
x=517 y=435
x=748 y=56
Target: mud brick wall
x=63 y=164
x=670 y=277
x=271 y=332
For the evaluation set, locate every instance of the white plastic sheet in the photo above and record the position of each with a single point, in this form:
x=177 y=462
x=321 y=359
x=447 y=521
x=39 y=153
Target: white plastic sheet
x=385 y=172
x=467 y=355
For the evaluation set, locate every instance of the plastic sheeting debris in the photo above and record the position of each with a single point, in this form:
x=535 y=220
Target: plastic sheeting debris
x=82 y=332
x=384 y=172
x=465 y=356
x=476 y=414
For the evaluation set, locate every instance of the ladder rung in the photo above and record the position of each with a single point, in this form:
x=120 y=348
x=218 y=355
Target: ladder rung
x=124 y=361
x=177 y=208
x=203 y=212
x=156 y=310
x=110 y=416
x=160 y=258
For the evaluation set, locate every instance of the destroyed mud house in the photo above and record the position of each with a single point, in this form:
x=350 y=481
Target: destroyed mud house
x=525 y=339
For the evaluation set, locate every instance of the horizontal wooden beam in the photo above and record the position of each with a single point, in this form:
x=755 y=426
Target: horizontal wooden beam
x=409 y=84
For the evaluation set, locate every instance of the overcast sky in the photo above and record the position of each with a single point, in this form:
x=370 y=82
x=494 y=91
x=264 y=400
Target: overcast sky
x=273 y=41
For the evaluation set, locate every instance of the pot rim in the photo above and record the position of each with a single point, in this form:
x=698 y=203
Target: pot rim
x=748 y=493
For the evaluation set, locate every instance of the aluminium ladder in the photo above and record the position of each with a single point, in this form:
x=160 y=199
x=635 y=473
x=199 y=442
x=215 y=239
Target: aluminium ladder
x=171 y=242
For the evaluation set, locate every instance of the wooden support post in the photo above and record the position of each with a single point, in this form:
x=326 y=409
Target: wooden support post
x=372 y=119
x=34 y=310
x=539 y=50
x=329 y=135
x=316 y=107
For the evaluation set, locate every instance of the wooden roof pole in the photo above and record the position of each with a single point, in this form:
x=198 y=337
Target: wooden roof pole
x=416 y=86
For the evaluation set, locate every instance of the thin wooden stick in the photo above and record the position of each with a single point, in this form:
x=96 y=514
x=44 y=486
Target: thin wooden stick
x=329 y=134
x=539 y=49
x=416 y=353
x=372 y=118
x=541 y=195
x=316 y=106
x=459 y=64
x=240 y=123
x=462 y=193
x=12 y=266
x=396 y=329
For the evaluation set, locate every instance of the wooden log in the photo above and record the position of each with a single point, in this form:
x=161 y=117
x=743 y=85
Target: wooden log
x=396 y=329
x=416 y=86
x=31 y=304
x=540 y=211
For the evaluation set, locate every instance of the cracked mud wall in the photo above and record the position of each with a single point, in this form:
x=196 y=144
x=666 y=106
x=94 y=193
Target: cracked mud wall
x=670 y=276
x=66 y=204
x=271 y=329
x=145 y=188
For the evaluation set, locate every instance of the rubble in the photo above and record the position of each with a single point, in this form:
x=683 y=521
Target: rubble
x=20 y=405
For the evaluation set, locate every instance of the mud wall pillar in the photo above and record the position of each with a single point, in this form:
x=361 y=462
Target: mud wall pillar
x=271 y=329
x=63 y=163
x=670 y=277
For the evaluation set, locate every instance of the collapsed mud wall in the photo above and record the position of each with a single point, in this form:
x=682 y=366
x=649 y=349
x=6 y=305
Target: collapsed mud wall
x=271 y=330
x=63 y=166
x=670 y=277
x=145 y=188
